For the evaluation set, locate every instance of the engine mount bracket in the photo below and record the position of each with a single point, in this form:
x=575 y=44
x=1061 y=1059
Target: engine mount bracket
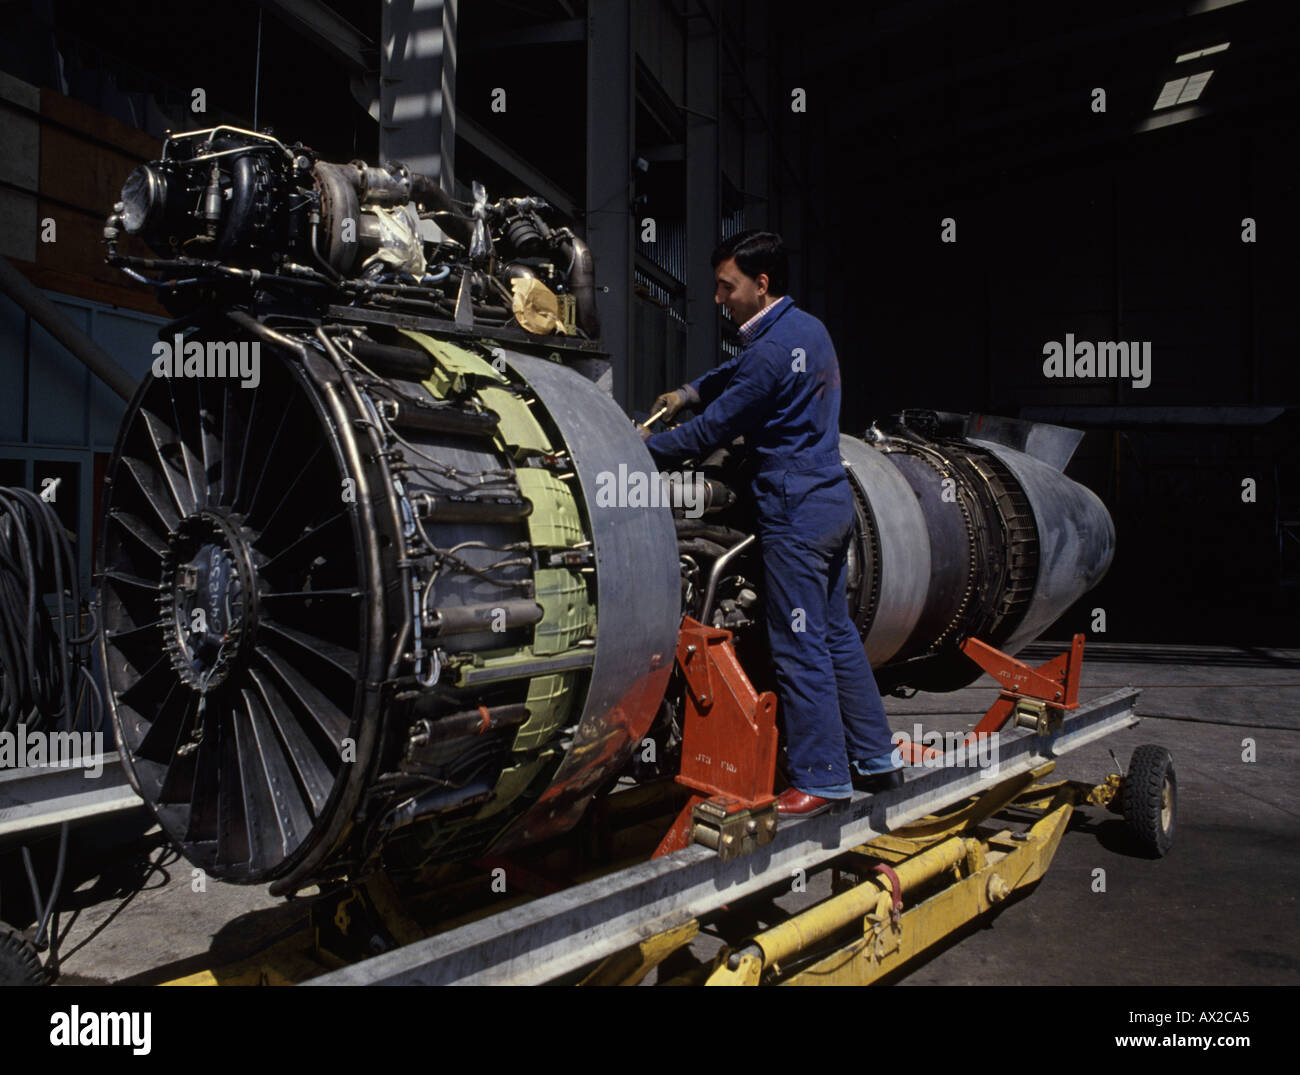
x=728 y=748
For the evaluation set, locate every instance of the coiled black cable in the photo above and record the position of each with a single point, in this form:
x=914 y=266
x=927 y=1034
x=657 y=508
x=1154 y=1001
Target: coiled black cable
x=44 y=662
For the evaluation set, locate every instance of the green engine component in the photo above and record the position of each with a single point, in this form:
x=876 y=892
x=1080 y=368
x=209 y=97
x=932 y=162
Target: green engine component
x=554 y=524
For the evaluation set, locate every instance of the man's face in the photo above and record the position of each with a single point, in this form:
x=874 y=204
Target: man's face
x=742 y=296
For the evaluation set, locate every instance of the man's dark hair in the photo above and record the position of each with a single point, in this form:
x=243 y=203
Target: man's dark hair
x=757 y=252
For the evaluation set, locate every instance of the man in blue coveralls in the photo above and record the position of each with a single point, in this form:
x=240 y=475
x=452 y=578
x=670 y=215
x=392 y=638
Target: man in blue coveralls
x=782 y=392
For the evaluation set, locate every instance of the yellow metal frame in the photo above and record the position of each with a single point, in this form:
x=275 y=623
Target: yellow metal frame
x=956 y=868
x=951 y=867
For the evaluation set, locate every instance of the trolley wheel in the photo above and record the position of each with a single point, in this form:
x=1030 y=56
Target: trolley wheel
x=1151 y=799
x=19 y=963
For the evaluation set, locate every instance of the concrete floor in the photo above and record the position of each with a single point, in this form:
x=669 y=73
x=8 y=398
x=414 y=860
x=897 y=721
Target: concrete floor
x=1220 y=909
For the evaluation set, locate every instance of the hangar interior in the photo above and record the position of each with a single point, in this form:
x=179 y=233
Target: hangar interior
x=961 y=185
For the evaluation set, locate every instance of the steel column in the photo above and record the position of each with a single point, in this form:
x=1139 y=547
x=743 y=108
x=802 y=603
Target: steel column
x=703 y=192
x=417 y=87
x=611 y=136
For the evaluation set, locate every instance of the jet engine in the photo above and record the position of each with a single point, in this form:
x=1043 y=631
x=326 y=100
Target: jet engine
x=376 y=607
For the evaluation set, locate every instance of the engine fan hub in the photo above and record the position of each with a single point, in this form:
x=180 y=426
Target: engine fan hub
x=209 y=587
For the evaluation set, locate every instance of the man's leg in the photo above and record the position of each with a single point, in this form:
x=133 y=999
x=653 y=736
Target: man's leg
x=795 y=607
x=866 y=728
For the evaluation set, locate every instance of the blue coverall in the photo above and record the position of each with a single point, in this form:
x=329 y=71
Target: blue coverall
x=782 y=392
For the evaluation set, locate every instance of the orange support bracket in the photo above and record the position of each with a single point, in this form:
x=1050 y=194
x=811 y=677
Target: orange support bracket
x=1054 y=683
x=728 y=737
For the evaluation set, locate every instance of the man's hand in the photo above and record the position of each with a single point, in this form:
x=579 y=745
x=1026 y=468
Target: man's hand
x=646 y=434
x=670 y=403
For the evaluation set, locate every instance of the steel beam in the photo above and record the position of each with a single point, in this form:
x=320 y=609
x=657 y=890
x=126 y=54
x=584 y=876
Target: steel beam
x=57 y=323
x=658 y=274
x=557 y=934
x=546 y=33
x=703 y=195
x=611 y=138
x=499 y=153
x=320 y=23
x=417 y=87
x=757 y=180
x=36 y=798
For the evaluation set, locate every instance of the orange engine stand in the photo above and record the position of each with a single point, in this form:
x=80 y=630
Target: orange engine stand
x=729 y=733
x=1040 y=694
x=728 y=748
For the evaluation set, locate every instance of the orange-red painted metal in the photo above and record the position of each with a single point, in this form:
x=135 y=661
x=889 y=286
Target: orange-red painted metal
x=728 y=731
x=1055 y=682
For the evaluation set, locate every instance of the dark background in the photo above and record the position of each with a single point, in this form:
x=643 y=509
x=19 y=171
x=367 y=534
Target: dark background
x=1067 y=220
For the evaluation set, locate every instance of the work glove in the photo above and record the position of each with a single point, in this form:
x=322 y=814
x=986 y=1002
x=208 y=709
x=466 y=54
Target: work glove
x=674 y=401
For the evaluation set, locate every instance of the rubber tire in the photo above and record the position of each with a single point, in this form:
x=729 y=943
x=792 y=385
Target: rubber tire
x=1150 y=768
x=19 y=963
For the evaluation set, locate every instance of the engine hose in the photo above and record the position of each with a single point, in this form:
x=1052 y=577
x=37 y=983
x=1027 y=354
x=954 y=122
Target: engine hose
x=723 y=535
x=39 y=659
x=701 y=547
x=40 y=656
x=582 y=282
x=716 y=574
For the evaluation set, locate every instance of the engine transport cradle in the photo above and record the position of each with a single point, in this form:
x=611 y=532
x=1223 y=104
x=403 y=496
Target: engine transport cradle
x=909 y=866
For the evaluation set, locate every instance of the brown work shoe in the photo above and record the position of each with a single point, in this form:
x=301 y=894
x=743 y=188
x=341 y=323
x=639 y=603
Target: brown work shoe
x=794 y=803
